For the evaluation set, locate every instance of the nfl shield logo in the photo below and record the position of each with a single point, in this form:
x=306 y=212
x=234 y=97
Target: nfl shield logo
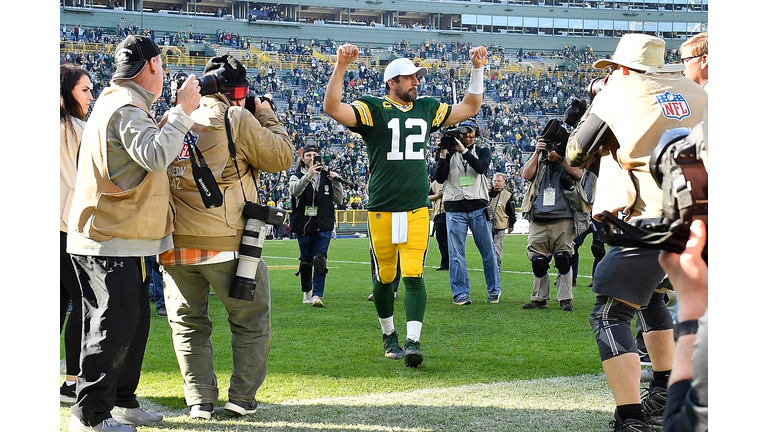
x=189 y=140
x=674 y=106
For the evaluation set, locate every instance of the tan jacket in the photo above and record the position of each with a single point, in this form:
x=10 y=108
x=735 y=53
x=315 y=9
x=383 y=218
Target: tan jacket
x=69 y=143
x=437 y=205
x=498 y=204
x=261 y=143
x=637 y=119
x=102 y=211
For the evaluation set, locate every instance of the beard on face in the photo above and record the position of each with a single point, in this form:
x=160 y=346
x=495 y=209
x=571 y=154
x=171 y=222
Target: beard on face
x=408 y=95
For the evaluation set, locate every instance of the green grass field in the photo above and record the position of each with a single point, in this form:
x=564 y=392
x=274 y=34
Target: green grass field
x=487 y=367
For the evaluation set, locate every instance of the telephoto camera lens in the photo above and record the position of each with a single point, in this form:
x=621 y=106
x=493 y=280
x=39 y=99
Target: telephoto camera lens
x=212 y=83
x=257 y=216
x=244 y=285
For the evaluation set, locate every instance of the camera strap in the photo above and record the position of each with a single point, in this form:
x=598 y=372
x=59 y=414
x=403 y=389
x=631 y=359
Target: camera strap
x=653 y=234
x=233 y=151
x=204 y=179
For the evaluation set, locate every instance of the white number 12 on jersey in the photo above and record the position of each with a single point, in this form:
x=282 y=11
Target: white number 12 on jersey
x=395 y=153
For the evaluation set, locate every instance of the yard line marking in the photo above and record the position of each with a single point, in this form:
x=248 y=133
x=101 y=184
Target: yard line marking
x=369 y=263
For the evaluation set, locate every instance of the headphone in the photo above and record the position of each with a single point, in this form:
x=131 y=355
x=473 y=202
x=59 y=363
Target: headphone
x=467 y=124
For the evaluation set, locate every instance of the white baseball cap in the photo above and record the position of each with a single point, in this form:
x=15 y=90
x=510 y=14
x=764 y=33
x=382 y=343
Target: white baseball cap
x=641 y=52
x=402 y=66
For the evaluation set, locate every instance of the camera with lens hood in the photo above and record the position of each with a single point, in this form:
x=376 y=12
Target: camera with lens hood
x=596 y=85
x=209 y=84
x=257 y=216
x=677 y=168
x=555 y=136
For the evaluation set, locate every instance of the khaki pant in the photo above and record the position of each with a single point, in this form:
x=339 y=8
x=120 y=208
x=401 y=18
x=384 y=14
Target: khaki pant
x=546 y=239
x=186 y=300
x=498 y=242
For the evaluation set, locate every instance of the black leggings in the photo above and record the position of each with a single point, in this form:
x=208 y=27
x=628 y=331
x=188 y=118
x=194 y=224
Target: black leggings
x=70 y=291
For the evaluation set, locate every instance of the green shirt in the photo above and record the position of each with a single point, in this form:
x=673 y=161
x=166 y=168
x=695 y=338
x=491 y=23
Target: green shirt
x=397 y=139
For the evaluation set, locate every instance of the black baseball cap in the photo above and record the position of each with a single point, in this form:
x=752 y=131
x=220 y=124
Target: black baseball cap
x=132 y=54
x=310 y=148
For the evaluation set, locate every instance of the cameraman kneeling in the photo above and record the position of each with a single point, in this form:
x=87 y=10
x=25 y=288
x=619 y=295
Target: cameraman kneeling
x=206 y=240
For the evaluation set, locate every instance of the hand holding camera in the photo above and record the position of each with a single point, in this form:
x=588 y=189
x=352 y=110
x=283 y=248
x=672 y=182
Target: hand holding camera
x=188 y=95
x=451 y=142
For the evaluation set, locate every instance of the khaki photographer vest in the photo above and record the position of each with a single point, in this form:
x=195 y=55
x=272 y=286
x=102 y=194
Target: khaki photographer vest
x=217 y=228
x=452 y=189
x=628 y=105
x=102 y=211
x=498 y=204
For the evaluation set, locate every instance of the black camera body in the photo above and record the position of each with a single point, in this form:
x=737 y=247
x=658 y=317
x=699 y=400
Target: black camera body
x=209 y=84
x=555 y=136
x=448 y=140
x=257 y=216
x=250 y=102
x=678 y=169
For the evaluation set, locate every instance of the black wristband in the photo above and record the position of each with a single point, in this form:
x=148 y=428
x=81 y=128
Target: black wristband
x=686 y=328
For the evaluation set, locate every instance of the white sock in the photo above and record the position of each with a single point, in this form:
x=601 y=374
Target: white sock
x=414 y=330
x=387 y=325
x=70 y=383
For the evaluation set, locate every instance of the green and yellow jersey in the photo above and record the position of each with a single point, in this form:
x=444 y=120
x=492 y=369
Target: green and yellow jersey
x=397 y=139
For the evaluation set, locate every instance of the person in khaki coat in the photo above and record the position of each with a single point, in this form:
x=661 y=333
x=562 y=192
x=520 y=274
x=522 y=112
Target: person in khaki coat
x=121 y=211
x=206 y=242
x=641 y=99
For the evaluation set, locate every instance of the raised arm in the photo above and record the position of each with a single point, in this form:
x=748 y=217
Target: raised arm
x=332 y=104
x=470 y=105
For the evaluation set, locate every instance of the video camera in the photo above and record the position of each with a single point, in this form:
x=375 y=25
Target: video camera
x=453 y=133
x=448 y=140
x=677 y=167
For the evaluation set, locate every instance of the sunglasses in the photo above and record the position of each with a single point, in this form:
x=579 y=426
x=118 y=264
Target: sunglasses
x=685 y=60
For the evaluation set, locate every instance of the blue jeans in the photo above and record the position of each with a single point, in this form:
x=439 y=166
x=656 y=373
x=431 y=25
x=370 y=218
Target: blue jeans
x=309 y=246
x=155 y=282
x=458 y=222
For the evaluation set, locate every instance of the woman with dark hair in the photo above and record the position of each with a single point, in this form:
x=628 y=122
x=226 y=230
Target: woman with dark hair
x=74 y=99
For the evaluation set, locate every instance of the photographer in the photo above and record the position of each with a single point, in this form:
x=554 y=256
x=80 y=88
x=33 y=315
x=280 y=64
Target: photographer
x=462 y=168
x=642 y=98
x=552 y=229
x=314 y=190
x=121 y=211
x=207 y=238
x=503 y=215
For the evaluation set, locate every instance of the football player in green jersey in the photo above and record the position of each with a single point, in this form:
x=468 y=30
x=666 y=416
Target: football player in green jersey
x=396 y=131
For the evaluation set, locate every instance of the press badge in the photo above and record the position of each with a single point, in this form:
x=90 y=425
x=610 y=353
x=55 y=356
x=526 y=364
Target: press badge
x=465 y=181
x=310 y=211
x=549 y=196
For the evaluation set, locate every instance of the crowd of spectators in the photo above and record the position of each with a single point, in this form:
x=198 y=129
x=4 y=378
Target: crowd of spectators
x=515 y=109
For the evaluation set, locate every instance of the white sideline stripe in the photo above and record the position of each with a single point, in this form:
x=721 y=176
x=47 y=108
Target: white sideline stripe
x=571 y=392
x=369 y=263
x=329 y=426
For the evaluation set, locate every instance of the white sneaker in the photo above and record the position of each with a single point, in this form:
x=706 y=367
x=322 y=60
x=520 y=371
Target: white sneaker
x=108 y=425
x=317 y=301
x=201 y=411
x=307 y=297
x=135 y=416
